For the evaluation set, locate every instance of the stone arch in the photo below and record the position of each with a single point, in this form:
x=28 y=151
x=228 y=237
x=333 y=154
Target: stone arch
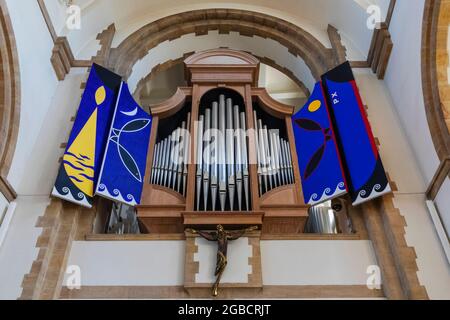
x=436 y=88
x=9 y=99
x=299 y=42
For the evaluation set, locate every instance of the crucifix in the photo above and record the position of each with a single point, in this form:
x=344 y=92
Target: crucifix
x=221 y=237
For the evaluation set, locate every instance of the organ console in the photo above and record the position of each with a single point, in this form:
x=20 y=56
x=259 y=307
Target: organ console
x=222 y=152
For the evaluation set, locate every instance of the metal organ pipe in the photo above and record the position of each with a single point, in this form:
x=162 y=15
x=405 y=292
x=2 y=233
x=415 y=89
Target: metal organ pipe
x=245 y=160
x=200 y=158
x=214 y=159
x=238 y=152
x=169 y=167
x=207 y=158
x=186 y=151
x=230 y=152
x=222 y=160
x=229 y=169
x=262 y=149
x=275 y=167
x=258 y=152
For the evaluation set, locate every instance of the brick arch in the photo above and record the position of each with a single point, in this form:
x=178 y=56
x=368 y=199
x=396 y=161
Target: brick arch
x=436 y=88
x=9 y=99
x=300 y=43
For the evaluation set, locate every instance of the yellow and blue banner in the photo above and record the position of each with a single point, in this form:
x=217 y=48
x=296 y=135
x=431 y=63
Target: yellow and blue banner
x=320 y=165
x=123 y=170
x=366 y=176
x=83 y=156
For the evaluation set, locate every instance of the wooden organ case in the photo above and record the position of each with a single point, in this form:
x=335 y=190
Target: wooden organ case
x=246 y=186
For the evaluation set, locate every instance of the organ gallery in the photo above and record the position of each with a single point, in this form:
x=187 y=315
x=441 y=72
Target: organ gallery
x=223 y=173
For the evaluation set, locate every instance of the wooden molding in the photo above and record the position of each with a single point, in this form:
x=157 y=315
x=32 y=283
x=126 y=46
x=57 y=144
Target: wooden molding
x=270 y=105
x=442 y=173
x=47 y=19
x=390 y=12
x=7 y=190
x=340 y=52
x=62 y=58
x=380 y=50
x=9 y=99
x=222 y=56
x=226 y=219
x=266 y=292
x=135 y=237
x=174 y=104
x=430 y=81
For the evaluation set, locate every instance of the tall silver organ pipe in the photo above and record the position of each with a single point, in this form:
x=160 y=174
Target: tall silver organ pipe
x=230 y=153
x=214 y=158
x=245 y=161
x=223 y=174
x=262 y=148
x=180 y=149
x=170 y=159
x=206 y=158
x=186 y=151
x=238 y=152
x=258 y=152
x=274 y=160
x=155 y=164
x=200 y=132
x=222 y=160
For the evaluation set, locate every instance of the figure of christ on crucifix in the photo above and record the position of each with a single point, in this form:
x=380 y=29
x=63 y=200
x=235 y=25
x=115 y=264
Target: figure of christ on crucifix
x=222 y=237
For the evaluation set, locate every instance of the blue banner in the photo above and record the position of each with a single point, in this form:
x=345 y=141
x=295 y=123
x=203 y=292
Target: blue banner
x=123 y=170
x=365 y=172
x=82 y=159
x=318 y=156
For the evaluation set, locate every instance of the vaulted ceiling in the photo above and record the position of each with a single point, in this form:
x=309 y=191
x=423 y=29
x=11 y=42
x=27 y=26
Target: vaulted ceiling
x=348 y=16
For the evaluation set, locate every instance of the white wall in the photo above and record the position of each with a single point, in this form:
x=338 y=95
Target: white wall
x=38 y=83
x=153 y=263
x=3 y=206
x=404 y=82
x=400 y=162
x=316 y=262
x=443 y=204
x=19 y=248
x=161 y=263
x=54 y=130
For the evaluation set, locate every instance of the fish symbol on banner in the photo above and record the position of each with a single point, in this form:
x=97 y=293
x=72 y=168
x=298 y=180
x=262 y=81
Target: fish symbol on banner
x=125 y=156
x=315 y=160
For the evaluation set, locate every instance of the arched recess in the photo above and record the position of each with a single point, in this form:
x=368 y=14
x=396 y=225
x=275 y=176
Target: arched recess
x=171 y=63
x=434 y=74
x=300 y=43
x=9 y=99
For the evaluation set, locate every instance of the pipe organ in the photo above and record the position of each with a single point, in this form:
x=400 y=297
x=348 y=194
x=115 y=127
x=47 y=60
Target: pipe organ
x=275 y=167
x=222 y=152
x=170 y=159
x=222 y=176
